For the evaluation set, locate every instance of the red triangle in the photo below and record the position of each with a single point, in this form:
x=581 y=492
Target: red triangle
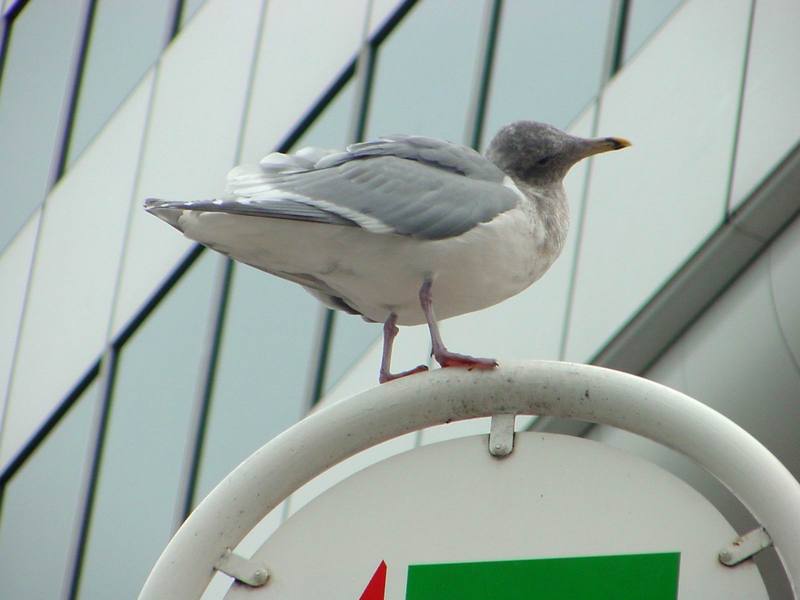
x=377 y=585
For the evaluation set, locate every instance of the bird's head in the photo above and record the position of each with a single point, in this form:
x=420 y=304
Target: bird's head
x=539 y=154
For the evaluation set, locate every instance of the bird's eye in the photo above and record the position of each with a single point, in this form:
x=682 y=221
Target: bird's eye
x=543 y=161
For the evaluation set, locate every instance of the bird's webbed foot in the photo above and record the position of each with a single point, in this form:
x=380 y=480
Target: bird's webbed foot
x=453 y=359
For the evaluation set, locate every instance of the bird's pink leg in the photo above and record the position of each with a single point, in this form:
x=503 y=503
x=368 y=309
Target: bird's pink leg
x=389 y=333
x=442 y=355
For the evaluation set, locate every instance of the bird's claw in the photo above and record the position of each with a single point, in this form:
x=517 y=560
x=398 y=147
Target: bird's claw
x=386 y=376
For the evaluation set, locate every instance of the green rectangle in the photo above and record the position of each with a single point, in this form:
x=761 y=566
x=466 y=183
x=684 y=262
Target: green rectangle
x=622 y=577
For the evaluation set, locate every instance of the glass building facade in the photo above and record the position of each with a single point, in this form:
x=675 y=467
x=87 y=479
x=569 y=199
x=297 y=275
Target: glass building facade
x=137 y=369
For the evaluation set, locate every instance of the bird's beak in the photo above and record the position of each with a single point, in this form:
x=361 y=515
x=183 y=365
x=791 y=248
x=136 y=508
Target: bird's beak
x=598 y=145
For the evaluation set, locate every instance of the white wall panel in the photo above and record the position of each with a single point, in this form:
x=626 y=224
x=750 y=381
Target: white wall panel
x=531 y=324
x=304 y=47
x=670 y=370
x=652 y=205
x=191 y=139
x=734 y=360
x=75 y=272
x=738 y=363
x=784 y=264
x=15 y=267
x=770 y=125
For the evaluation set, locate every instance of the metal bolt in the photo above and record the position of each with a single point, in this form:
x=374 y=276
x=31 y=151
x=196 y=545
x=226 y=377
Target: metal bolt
x=260 y=576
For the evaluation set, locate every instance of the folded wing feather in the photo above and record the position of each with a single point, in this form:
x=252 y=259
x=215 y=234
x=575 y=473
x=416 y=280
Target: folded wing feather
x=406 y=185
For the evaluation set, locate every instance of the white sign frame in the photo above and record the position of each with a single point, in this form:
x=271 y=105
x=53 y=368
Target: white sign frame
x=544 y=388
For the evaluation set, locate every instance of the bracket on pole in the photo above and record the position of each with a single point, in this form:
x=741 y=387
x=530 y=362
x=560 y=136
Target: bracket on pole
x=249 y=571
x=501 y=435
x=744 y=547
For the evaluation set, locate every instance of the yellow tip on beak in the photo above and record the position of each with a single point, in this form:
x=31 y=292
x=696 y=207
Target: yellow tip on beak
x=598 y=145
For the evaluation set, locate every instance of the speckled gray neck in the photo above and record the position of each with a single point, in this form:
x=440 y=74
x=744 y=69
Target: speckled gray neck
x=549 y=207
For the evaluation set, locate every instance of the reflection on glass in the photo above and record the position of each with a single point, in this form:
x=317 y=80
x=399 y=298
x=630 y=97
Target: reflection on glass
x=40 y=503
x=37 y=67
x=154 y=391
x=424 y=71
x=644 y=18
x=549 y=61
x=112 y=68
x=261 y=380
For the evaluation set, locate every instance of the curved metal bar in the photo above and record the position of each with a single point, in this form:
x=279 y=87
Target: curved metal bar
x=583 y=392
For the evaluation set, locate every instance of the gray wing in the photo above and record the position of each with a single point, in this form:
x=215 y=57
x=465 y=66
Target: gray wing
x=432 y=152
x=407 y=185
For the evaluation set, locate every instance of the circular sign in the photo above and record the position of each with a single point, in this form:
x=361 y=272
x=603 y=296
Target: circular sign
x=560 y=517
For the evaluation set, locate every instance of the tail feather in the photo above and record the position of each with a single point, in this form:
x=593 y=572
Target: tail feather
x=246 y=181
x=164 y=210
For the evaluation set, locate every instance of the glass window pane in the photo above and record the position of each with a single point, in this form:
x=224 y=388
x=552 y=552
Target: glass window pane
x=644 y=18
x=549 y=61
x=425 y=69
x=331 y=128
x=350 y=339
x=193 y=129
x=261 y=381
x=112 y=68
x=39 y=507
x=154 y=392
x=35 y=75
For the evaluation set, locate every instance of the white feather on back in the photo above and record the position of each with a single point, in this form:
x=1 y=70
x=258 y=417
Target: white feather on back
x=246 y=181
x=251 y=180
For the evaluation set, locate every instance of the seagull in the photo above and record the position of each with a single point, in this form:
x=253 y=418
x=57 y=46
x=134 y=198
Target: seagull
x=402 y=230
